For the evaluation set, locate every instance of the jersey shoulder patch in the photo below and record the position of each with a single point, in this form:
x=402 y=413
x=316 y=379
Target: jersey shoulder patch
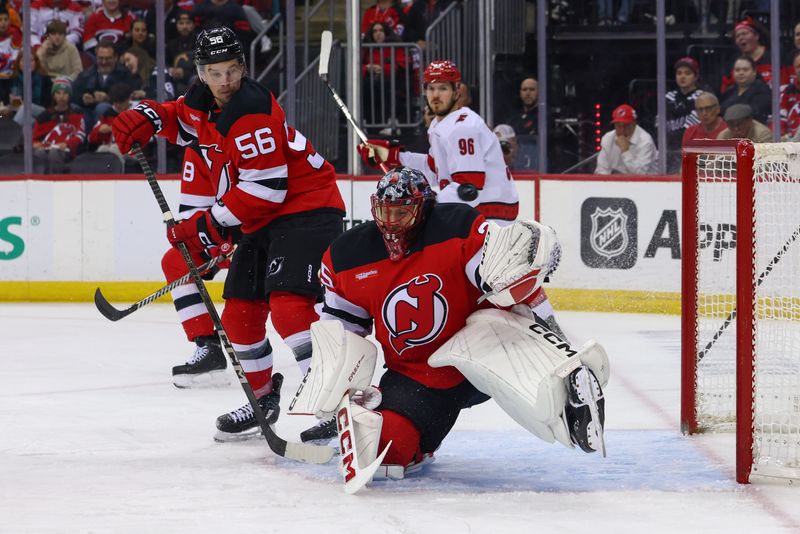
x=199 y=97
x=448 y=221
x=358 y=246
x=251 y=98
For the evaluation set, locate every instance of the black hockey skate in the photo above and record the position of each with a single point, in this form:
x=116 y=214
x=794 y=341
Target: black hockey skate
x=585 y=410
x=321 y=433
x=206 y=367
x=241 y=423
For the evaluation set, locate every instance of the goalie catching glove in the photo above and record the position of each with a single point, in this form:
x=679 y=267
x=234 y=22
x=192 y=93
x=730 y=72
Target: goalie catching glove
x=138 y=124
x=516 y=260
x=380 y=151
x=201 y=234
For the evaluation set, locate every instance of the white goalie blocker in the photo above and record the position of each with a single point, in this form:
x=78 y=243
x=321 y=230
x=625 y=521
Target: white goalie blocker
x=522 y=366
x=342 y=366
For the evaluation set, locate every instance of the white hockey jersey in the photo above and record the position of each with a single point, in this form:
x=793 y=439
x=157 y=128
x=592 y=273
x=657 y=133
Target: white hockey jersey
x=464 y=150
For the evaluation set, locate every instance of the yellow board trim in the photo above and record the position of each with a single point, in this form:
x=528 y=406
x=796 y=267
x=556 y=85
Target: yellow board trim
x=602 y=300
x=123 y=292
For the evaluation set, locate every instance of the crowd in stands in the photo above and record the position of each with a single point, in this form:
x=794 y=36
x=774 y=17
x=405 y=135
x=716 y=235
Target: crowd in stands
x=95 y=58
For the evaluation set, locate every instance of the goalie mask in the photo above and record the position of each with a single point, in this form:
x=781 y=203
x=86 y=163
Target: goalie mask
x=400 y=206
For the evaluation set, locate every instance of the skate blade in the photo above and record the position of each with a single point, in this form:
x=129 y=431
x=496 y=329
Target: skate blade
x=228 y=437
x=594 y=429
x=209 y=380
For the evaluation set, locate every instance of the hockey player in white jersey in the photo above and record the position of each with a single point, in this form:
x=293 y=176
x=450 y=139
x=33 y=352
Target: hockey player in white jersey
x=465 y=158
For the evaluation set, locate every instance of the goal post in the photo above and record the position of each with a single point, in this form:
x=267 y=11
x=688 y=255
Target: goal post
x=740 y=339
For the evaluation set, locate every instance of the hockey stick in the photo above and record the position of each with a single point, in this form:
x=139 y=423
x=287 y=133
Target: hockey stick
x=113 y=314
x=302 y=452
x=326 y=44
x=768 y=269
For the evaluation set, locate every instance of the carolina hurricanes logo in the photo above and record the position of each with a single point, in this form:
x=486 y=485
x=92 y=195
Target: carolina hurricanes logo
x=415 y=313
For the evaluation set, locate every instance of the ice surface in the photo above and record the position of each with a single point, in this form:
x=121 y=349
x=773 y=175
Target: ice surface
x=94 y=438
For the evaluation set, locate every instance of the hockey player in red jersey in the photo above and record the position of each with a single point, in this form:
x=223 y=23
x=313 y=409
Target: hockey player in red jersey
x=270 y=183
x=465 y=158
x=417 y=275
x=208 y=361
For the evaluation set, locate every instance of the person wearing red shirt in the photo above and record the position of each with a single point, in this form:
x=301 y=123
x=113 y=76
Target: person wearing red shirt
x=710 y=125
x=109 y=23
x=384 y=11
x=59 y=132
x=273 y=186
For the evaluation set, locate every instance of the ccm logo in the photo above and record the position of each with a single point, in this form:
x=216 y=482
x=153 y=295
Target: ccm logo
x=152 y=114
x=346 y=444
x=553 y=339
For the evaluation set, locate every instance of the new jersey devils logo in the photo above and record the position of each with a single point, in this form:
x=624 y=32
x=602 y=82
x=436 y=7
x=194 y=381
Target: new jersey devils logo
x=415 y=313
x=218 y=171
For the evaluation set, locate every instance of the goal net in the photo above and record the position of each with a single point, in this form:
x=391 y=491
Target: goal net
x=741 y=301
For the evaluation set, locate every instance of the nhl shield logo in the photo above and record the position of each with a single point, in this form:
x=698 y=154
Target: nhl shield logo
x=609 y=235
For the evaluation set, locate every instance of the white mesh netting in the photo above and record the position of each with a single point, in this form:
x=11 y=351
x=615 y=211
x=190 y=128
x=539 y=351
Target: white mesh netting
x=776 y=361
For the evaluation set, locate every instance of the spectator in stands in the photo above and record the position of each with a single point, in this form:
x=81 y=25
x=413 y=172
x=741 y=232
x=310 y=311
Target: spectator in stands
x=101 y=138
x=109 y=23
x=138 y=37
x=211 y=13
x=419 y=136
x=13 y=14
x=378 y=65
x=180 y=53
x=627 y=149
x=143 y=67
x=711 y=124
x=605 y=12
x=58 y=57
x=464 y=95
x=752 y=39
x=59 y=132
x=90 y=90
x=742 y=125
x=749 y=89
x=10 y=48
x=508 y=143
x=67 y=11
x=384 y=11
x=681 y=112
x=419 y=16
x=171 y=11
x=790 y=98
x=525 y=122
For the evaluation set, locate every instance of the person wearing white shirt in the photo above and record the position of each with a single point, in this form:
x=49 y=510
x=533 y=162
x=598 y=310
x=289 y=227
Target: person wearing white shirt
x=627 y=149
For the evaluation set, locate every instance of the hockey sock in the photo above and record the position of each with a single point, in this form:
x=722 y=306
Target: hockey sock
x=245 y=322
x=292 y=315
x=404 y=436
x=191 y=310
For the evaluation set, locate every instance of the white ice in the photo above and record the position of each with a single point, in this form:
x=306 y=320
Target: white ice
x=95 y=439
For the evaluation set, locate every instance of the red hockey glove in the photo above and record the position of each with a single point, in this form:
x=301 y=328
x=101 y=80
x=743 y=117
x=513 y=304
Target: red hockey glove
x=138 y=125
x=377 y=151
x=201 y=234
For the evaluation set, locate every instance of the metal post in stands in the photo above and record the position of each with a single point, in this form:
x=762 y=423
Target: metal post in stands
x=27 y=93
x=661 y=91
x=541 y=73
x=353 y=70
x=289 y=106
x=775 y=57
x=161 y=79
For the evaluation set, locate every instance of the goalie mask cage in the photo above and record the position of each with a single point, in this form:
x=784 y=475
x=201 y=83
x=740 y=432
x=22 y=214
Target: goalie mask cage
x=740 y=345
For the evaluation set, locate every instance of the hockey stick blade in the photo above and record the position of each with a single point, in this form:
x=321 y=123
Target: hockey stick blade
x=325 y=45
x=113 y=314
x=278 y=445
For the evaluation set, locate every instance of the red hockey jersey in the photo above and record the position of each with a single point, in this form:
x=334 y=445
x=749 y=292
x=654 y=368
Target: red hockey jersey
x=417 y=303
x=53 y=127
x=264 y=168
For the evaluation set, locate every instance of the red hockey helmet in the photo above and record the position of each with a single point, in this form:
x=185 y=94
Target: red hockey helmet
x=400 y=206
x=441 y=71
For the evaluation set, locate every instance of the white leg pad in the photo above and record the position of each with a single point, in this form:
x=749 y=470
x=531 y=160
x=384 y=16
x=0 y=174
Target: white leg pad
x=359 y=434
x=341 y=361
x=522 y=365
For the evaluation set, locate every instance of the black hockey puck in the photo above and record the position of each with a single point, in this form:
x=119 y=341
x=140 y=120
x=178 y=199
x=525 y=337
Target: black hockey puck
x=467 y=192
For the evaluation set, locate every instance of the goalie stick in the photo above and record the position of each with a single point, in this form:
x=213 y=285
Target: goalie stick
x=732 y=315
x=325 y=45
x=113 y=314
x=302 y=452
